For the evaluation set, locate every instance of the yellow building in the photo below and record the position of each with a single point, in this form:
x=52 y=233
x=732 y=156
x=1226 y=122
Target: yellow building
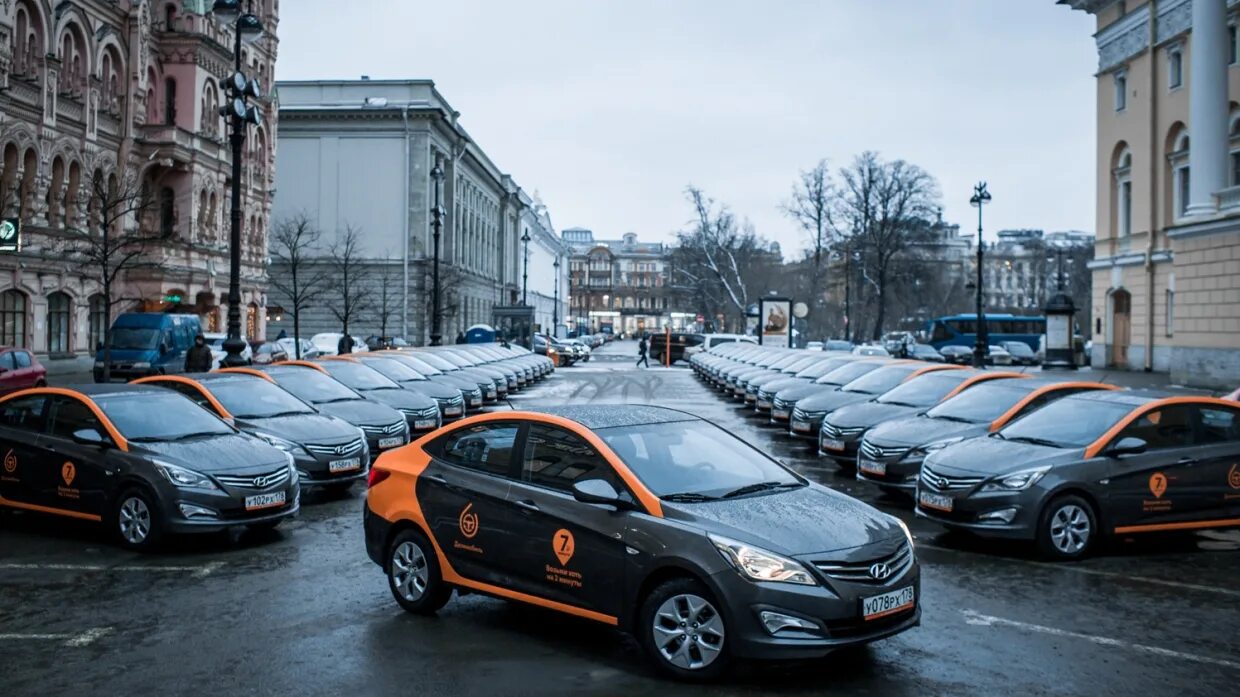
x=1166 y=273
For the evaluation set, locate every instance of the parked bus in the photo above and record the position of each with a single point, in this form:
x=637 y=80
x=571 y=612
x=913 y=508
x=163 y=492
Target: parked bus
x=961 y=330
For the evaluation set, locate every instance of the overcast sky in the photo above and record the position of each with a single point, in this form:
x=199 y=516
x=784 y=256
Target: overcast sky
x=610 y=108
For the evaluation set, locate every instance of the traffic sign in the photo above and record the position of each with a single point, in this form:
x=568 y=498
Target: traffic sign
x=10 y=235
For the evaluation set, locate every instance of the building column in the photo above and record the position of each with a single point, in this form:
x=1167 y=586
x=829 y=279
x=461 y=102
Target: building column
x=1207 y=106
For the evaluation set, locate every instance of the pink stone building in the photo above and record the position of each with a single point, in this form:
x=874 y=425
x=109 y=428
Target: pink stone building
x=126 y=89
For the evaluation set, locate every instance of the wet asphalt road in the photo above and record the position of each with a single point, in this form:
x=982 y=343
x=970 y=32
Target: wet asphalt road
x=302 y=609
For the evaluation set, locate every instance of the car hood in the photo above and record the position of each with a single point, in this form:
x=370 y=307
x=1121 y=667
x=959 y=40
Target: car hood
x=831 y=401
x=400 y=399
x=218 y=453
x=784 y=383
x=994 y=456
x=869 y=414
x=302 y=428
x=795 y=393
x=455 y=380
x=432 y=388
x=920 y=430
x=361 y=412
x=809 y=520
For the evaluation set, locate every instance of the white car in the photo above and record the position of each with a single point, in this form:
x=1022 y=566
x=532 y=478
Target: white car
x=814 y=345
x=870 y=350
x=215 y=341
x=308 y=350
x=710 y=341
x=997 y=355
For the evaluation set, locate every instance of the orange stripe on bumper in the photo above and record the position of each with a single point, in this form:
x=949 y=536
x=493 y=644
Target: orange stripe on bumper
x=48 y=509
x=1195 y=525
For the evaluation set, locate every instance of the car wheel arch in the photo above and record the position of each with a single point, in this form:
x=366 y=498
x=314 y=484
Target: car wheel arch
x=396 y=529
x=1083 y=493
x=658 y=575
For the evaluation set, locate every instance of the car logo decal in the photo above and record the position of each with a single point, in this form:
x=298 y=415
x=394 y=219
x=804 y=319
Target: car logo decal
x=260 y=482
x=68 y=472
x=1233 y=475
x=468 y=521
x=563 y=544
x=880 y=571
x=340 y=449
x=10 y=462
x=1158 y=484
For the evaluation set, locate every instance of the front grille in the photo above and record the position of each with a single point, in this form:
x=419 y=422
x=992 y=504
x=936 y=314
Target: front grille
x=878 y=452
x=833 y=431
x=452 y=401
x=895 y=564
x=428 y=413
x=389 y=430
x=779 y=403
x=337 y=449
x=801 y=415
x=266 y=480
x=934 y=480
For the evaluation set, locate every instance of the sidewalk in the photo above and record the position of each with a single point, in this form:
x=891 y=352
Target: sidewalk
x=1130 y=379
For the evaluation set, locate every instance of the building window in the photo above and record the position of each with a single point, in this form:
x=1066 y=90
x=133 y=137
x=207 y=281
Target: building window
x=1175 y=67
x=1121 y=91
x=97 y=320
x=170 y=102
x=1181 y=191
x=167 y=212
x=1170 y=311
x=58 y=310
x=1178 y=159
x=12 y=318
x=1231 y=44
x=1123 y=194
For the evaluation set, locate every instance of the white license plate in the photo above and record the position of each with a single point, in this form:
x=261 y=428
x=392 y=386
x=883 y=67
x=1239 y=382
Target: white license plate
x=385 y=443
x=832 y=444
x=877 y=606
x=490 y=394
x=424 y=423
x=253 y=503
x=765 y=404
x=779 y=413
x=475 y=401
x=938 y=502
x=345 y=465
x=872 y=467
x=452 y=411
x=800 y=426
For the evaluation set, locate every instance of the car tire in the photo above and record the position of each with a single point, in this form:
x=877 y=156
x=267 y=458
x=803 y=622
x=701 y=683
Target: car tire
x=683 y=631
x=413 y=574
x=135 y=520
x=1067 y=528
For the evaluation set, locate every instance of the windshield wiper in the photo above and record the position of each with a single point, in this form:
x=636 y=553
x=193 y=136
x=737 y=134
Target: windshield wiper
x=173 y=439
x=1034 y=441
x=276 y=415
x=956 y=419
x=338 y=399
x=899 y=404
x=688 y=497
x=760 y=486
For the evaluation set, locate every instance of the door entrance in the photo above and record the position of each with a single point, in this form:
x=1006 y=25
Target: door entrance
x=1121 y=327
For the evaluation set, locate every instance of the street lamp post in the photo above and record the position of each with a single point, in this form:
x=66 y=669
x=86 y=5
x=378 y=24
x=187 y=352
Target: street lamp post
x=437 y=216
x=979 y=199
x=241 y=114
x=525 y=274
x=555 y=309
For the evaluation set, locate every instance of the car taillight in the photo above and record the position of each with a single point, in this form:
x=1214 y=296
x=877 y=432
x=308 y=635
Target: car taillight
x=377 y=475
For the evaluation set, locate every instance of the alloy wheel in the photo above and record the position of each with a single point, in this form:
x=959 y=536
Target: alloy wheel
x=1070 y=529
x=135 y=520
x=688 y=631
x=410 y=573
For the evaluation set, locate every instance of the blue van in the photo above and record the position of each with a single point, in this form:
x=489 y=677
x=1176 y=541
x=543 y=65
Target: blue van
x=149 y=343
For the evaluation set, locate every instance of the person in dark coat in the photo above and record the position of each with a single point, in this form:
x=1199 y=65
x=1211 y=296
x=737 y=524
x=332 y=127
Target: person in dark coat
x=282 y=335
x=198 y=358
x=641 y=352
x=345 y=345
x=460 y=337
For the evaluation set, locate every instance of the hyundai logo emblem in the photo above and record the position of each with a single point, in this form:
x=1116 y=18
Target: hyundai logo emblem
x=260 y=482
x=340 y=449
x=880 y=571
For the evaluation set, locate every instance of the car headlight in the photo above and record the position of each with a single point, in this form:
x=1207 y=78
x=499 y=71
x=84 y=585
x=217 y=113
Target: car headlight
x=98 y=364
x=760 y=565
x=292 y=468
x=184 y=478
x=908 y=534
x=285 y=445
x=142 y=364
x=1017 y=481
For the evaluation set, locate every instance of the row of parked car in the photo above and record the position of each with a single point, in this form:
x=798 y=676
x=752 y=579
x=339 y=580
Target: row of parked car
x=173 y=453
x=1061 y=461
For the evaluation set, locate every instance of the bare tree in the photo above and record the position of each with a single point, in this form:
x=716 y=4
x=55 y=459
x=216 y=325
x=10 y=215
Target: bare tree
x=119 y=212
x=883 y=210
x=810 y=207
x=303 y=280
x=388 y=302
x=720 y=256
x=350 y=278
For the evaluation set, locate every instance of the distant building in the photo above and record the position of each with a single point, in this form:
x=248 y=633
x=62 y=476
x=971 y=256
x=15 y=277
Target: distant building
x=1022 y=270
x=622 y=285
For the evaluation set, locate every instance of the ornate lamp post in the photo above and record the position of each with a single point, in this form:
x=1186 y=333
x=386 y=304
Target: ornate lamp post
x=555 y=309
x=525 y=274
x=437 y=216
x=240 y=114
x=979 y=199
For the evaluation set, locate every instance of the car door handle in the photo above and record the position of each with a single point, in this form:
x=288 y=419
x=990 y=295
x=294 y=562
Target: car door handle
x=435 y=478
x=1186 y=461
x=527 y=505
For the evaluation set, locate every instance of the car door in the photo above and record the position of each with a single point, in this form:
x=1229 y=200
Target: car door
x=22 y=480
x=25 y=372
x=10 y=380
x=1161 y=485
x=565 y=550
x=463 y=493
x=1218 y=435
x=80 y=473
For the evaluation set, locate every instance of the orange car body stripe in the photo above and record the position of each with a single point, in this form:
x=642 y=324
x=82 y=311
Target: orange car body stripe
x=1016 y=408
x=1195 y=525
x=117 y=438
x=1097 y=446
x=246 y=371
x=350 y=359
x=971 y=381
x=49 y=509
x=307 y=364
x=215 y=403
x=932 y=368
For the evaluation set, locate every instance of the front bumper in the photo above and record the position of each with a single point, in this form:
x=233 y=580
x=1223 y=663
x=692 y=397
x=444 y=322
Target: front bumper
x=228 y=509
x=966 y=511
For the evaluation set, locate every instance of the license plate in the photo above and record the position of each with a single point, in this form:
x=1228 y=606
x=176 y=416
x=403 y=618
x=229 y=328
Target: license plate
x=872 y=467
x=765 y=404
x=877 y=606
x=345 y=465
x=800 y=426
x=253 y=503
x=832 y=444
x=424 y=423
x=392 y=442
x=490 y=394
x=474 y=401
x=938 y=502
x=452 y=411
x=779 y=413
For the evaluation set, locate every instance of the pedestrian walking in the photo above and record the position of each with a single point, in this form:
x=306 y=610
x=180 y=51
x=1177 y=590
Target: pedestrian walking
x=282 y=335
x=641 y=353
x=345 y=345
x=198 y=358
x=460 y=337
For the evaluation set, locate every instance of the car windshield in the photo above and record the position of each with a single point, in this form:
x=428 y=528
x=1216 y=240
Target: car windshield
x=419 y=365
x=153 y=416
x=1067 y=423
x=256 y=399
x=879 y=381
x=982 y=404
x=134 y=338
x=817 y=370
x=359 y=377
x=693 y=458
x=309 y=385
x=847 y=373
x=454 y=359
x=923 y=390
x=394 y=369
x=436 y=361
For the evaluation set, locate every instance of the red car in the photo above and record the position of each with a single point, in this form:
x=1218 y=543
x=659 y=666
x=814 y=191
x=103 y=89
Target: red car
x=19 y=369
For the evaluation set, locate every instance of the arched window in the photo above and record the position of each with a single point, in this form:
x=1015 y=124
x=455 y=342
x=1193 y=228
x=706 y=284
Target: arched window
x=1178 y=165
x=167 y=212
x=30 y=168
x=29 y=40
x=72 y=193
x=170 y=101
x=211 y=218
x=1121 y=168
x=59 y=308
x=8 y=177
x=209 y=122
x=97 y=320
x=55 y=190
x=111 y=68
x=13 y=318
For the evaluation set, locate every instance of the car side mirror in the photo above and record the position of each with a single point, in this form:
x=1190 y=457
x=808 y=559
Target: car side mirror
x=597 y=491
x=89 y=436
x=1127 y=446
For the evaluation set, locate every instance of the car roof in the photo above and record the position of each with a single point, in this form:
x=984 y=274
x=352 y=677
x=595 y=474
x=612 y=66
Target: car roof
x=1133 y=398
x=93 y=390
x=596 y=416
x=222 y=377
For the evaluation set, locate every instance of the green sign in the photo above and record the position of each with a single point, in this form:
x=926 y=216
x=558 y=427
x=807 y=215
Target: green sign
x=174 y=299
x=10 y=235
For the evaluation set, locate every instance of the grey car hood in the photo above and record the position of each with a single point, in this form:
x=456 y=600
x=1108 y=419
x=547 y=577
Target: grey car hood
x=224 y=453
x=784 y=383
x=796 y=393
x=868 y=414
x=831 y=401
x=361 y=412
x=920 y=430
x=993 y=456
x=399 y=398
x=303 y=428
